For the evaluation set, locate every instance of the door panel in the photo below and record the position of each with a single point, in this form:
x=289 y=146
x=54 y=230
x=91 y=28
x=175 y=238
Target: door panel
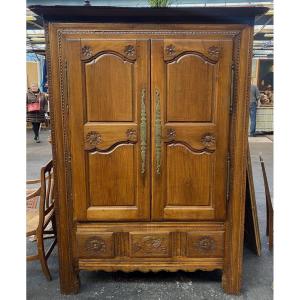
x=103 y=100
x=188 y=168
x=109 y=105
x=190 y=128
x=190 y=82
x=112 y=186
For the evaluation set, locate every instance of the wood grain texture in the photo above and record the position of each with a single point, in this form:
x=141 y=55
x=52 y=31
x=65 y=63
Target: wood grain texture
x=95 y=246
x=185 y=173
x=190 y=89
x=104 y=123
x=150 y=244
x=206 y=244
x=153 y=241
x=112 y=186
x=234 y=238
x=210 y=132
x=195 y=112
x=69 y=279
x=109 y=89
x=204 y=264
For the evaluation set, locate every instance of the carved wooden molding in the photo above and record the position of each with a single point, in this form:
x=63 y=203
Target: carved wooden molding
x=129 y=51
x=95 y=244
x=86 y=52
x=171 y=133
x=208 y=140
x=214 y=52
x=131 y=134
x=232 y=33
x=93 y=138
x=170 y=50
x=151 y=244
x=66 y=262
x=205 y=243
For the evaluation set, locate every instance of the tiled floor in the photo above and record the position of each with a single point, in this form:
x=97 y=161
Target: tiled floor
x=257 y=274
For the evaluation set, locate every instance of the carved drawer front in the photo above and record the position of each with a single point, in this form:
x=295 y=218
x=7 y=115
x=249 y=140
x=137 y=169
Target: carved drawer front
x=95 y=245
x=149 y=244
x=205 y=244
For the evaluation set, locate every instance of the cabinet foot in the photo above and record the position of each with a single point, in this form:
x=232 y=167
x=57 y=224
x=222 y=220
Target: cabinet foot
x=230 y=286
x=70 y=285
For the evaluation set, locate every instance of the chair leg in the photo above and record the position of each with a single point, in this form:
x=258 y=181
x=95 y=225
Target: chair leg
x=270 y=230
x=268 y=218
x=42 y=257
x=53 y=222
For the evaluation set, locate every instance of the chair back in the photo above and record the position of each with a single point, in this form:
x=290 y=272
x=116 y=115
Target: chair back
x=47 y=193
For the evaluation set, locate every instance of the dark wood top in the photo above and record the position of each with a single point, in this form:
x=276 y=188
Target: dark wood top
x=223 y=15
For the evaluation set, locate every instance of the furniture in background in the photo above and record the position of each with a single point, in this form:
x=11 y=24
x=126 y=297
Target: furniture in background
x=269 y=205
x=38 y=219
x=264 y=119
x=32 y=201
x=149 y=134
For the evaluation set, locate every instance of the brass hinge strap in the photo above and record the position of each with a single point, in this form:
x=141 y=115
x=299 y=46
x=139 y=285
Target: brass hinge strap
x=143 y=132
x=157 y=131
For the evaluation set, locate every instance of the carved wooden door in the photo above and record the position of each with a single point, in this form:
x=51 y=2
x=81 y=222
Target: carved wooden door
x=107 y=84
x=191 y=90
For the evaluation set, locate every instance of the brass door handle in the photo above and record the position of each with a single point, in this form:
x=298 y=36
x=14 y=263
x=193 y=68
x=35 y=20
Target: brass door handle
x=157 y=131
x=143 y=132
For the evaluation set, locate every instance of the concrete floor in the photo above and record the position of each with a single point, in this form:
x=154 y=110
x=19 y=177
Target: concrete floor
x=257 y=274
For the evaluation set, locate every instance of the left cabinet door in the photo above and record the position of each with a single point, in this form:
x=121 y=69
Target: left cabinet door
x=107 y=85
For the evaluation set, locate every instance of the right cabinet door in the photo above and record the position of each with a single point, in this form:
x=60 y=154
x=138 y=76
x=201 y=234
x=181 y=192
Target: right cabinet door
x=191 y=90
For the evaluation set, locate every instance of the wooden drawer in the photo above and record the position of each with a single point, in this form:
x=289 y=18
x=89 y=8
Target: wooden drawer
x=205 y=244
x=150 y=244
x=95 y=245
x=153 y=241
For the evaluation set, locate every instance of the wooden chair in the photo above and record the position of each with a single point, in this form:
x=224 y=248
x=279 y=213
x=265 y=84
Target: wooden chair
x=38 y=219
x=269 y=205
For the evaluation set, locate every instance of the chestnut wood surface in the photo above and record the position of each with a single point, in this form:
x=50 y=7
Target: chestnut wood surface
x=194 y=104
x=149 y=131
x=107 y=81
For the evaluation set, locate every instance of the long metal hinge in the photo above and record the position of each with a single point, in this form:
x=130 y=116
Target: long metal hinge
x=228 y=177
x=231 y=87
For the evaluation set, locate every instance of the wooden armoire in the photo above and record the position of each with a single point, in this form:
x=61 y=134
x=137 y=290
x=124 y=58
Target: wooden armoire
x=149 y=114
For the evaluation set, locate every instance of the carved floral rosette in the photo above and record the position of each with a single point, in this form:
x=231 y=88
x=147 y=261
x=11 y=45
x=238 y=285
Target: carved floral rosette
x=86 y=52
x=131 y=134
x=170 y=50
x=208 y=140
x=129 y=51
x=205 y=243
x=214 y=52
x=171 y=133
x=93 y=138
x=95 y=244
